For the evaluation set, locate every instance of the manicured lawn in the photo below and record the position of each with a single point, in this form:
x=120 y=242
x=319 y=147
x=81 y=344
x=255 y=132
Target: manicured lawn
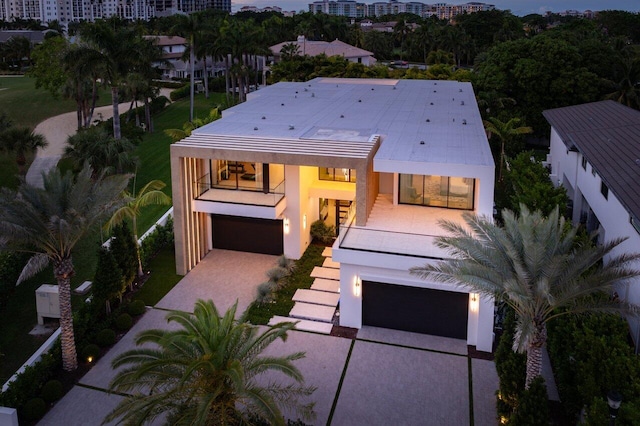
x=262 y=313
x=28 y=106
x=154 y=149
x=163 y=277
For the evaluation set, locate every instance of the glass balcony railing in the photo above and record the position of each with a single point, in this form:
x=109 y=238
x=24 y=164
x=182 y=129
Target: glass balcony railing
x=390 y=242
x=249 y=195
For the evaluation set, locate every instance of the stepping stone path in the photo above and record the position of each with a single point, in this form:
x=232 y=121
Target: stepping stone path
x=314 y=309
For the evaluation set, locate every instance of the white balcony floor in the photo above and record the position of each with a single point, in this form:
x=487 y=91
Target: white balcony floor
x=400 y=229
x=241 y=197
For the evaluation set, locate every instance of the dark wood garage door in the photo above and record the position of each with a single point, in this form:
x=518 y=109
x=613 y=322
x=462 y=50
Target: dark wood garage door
x=420 y=310
x=247 y=234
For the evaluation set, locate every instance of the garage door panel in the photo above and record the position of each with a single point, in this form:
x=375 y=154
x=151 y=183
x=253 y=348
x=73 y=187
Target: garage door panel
x=419 y=310
x=247 y=234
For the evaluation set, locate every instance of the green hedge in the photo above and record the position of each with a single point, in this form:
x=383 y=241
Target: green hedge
x=154 y=242
x=511 y=368
x=180 y=93
x=591 y=355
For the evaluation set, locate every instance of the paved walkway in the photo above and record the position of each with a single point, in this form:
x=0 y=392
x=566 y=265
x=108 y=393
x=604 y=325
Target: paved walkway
x=57 y=130
x=383 y=377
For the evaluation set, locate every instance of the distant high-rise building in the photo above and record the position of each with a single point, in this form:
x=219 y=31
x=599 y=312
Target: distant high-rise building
x=352 y=9
x=66 y=11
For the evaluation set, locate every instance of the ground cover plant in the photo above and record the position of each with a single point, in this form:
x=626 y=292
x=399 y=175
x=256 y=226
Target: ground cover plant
x=281 y=304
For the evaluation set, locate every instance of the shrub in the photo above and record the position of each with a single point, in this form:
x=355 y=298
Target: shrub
x=154 y=242
x=52 y=391
x=105 y=338
x=180 y=93
x=108 y=282
x=34 y=409
x=124 y=322
x=288 y=264
x=11 y=265
x=168 y=84
x=276 y=275
x=265 y=292
x=90 y=352
x=533 y=406
x=28 y=383
x=137 y=307
x=511 y=368
x=124 y=249
x=321 y=232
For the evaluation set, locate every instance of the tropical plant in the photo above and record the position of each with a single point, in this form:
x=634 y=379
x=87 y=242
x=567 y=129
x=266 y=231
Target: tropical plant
x=49 y=223
x=506 y=132
x=150 y=194
x=190 y=126
x=108 y=283
x=96 y=147
x=533 y=265
x=210 y=371
x=21 y=141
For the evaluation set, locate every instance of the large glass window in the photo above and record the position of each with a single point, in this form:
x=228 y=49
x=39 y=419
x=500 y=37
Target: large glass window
x=247 y=175
x=437 y=191
x=337 y=174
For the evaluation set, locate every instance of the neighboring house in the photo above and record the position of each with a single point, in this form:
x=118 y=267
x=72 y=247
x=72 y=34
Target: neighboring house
x=595 y=154
x=383 y=160
x=334 y=48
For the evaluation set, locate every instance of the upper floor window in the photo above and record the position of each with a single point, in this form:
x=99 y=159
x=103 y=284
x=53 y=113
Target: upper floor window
x=635 y=223
x=593 y=171
x=584 y=162
x=437 y=191
x=337 y=174
x=604 y=190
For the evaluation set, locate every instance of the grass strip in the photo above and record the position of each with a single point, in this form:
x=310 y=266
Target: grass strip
x=260 y=314
x=342 y=376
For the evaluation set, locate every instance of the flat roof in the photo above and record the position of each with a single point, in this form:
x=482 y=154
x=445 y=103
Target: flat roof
x=418 y=121
x=608 y=135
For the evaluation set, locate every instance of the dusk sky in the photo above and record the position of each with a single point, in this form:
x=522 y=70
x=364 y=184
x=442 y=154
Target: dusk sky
x=518 y=7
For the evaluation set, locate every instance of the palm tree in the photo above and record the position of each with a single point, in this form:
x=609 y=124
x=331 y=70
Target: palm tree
x=190 y=126
x=150 y=194
x=534 y=266
x=190 y=26
x=21 y=141
x=208 y=371
x=105 y=154
x=505 y=132
x=49 y=223
x=627 y=88
x=119 y=49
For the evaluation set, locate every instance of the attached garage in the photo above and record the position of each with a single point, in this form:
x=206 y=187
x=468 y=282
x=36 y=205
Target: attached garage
x=247 y=234
x=419 y=310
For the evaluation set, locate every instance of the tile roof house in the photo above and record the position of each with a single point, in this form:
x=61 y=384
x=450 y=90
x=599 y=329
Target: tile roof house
x=334 y=48
x=595 y=154
x=382 y=160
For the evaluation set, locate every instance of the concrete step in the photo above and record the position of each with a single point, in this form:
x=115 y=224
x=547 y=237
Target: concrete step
x=329 y=263
x=328 y=273
x=316 y=297
x=323 y=284
x=312 y=312
x=327 y=252
x=305 y=325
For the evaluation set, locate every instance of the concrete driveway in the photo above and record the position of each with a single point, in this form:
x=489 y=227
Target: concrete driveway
x=382 y=377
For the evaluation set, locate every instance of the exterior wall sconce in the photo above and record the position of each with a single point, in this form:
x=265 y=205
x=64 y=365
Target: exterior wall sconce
x=304 y=221
x=474 y=302
x=357 y=287
x=285 y=224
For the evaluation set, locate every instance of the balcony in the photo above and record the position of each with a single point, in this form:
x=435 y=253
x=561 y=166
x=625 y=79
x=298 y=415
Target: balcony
x=250 y=196
x=399 y=230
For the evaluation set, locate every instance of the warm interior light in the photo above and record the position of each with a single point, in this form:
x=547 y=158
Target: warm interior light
x=304 y=221
x=357 y=287
x=285 y=224
x=89 y=359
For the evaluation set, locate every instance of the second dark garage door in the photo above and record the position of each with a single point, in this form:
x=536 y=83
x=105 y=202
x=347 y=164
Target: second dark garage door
x=420 y=310
x=247 y=234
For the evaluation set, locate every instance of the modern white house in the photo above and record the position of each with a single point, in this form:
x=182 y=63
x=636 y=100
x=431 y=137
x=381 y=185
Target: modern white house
x=382 y=160
x=595 y=154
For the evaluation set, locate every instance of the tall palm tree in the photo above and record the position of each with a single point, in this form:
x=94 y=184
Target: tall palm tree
x=21 y=141
x=627 y=87
x=533 y=265
x=190 y=27
x=49 y=223
x=208 y=372
x=150 y=194
x=119 y=49
x=505 y=132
